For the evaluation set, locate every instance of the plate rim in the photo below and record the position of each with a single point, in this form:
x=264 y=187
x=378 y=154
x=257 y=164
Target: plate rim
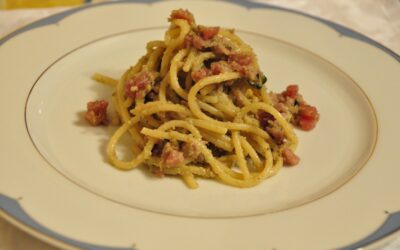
x=54 y=18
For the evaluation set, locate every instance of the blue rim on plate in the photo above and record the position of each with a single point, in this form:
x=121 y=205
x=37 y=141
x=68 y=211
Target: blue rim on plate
x=12 y=207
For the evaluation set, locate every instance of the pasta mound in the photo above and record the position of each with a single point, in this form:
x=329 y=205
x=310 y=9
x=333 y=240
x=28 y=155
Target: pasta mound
x=196 y=105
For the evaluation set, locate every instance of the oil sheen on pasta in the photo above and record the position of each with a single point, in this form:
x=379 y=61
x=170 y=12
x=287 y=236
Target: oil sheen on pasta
x=196 y=105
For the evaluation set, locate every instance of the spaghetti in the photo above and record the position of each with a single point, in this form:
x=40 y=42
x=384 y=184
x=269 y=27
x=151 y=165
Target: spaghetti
x=196 y=106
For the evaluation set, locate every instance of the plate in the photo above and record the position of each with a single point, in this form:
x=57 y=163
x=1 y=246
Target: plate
x=56 y=183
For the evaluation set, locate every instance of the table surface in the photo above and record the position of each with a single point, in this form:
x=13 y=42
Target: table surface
x=377 y=19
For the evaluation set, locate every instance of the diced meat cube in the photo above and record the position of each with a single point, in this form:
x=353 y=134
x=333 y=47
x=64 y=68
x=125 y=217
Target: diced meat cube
x=241 y=58
x=196 y=41
x=208 y=33
x=182 y=14
x=200 y=74
x=139 y=85
x=199 y=43
x=243 y=63
x=171 y=157
x=289 y=158
x=220 y=67
x=308 y=112
x=96 y=113
x=291 y=91
x=238 y=68
x=307 y=117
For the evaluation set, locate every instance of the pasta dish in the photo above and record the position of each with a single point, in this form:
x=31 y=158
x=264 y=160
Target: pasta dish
x=196 y=105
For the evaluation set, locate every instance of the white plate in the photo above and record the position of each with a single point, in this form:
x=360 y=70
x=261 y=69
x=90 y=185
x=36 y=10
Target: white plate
x=56 y=184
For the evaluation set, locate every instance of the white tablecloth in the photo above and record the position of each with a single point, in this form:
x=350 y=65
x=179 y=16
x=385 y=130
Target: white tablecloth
x=377 y=19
